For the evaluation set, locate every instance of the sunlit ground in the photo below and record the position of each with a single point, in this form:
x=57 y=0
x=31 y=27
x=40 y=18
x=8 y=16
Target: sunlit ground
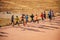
x=45 y=30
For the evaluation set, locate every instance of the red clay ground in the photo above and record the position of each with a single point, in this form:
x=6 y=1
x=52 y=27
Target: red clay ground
x=45 y=30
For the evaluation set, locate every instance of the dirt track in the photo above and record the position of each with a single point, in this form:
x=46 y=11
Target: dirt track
x=42 y=31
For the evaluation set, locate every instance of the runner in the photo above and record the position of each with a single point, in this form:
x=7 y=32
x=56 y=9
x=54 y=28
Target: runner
x=42 y=16
x=26 y=17
x=32 y=18
x=12 y=20
x=17 y=20
x=22 y=18
x=53 y=15
x=24 y=21
x=50 y=15
x=36 y=18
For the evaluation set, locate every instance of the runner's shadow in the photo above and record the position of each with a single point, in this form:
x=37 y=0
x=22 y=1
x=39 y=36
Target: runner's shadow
x=5 y=27
x=53 y=27
x=42 y=26
x=45 y=28
x=34 y=30
x=31 y=29
x=3 y=33
x=56 y=24
x=48 y=27
x=3 y=36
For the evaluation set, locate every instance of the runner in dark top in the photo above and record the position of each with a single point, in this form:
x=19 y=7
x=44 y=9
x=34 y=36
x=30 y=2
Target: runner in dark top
x=12 y=20
x=32 y=18
x=50 y=15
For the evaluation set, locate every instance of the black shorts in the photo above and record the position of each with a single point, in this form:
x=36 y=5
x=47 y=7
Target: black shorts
x=17 y=22
x=50 y=17
x=22 y=20
x=12 y=20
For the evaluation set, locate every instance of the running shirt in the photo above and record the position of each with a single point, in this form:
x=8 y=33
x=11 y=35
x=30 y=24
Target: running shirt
x=17 y=19
x=36 y=17
x=42 y=15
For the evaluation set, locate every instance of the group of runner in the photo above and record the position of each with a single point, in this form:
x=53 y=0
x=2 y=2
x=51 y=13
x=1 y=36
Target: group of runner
x=25 y=18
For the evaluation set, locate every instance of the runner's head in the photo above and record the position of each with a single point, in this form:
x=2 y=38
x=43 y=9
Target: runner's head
x=16 y=16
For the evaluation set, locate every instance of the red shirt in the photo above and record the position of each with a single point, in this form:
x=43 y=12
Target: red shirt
x=42 y=15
